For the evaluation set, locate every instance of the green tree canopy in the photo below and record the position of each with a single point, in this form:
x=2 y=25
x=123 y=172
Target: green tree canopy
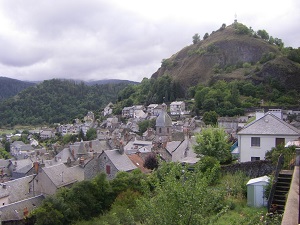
x=210 y=118
x=196 y=38
x=91 y=134
x=213 y=142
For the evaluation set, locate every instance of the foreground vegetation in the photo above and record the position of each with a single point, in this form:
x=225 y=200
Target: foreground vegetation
x=172 y=194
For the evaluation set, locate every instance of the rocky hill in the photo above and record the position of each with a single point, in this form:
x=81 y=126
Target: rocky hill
x=228 y=54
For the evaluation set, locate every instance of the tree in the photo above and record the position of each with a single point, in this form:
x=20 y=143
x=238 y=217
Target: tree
x=91 y=134
x=209 y=104
x=206 y=35
x=242 y=29
x=151 y=162
x=223 y=26
x=263 y=34
x=182 y=197
x=196 y=38
x=213 y=142
x=210 y=118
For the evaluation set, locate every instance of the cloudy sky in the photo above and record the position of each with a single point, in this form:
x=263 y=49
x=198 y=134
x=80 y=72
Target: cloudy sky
x=121 y=39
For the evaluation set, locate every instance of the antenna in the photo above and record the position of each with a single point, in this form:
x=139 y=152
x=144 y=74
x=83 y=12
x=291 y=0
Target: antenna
x=235 y=18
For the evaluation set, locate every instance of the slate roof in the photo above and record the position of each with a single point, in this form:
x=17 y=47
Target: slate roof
x=15 y=211
x=17 y=189
x=61 y=175
x=172 y=146
x=269 y=125
x=121 y=161
x=163 y=120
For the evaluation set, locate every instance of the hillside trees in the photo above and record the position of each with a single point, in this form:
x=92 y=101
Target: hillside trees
x=263 y=34
x=196 y=38
x=56 y=101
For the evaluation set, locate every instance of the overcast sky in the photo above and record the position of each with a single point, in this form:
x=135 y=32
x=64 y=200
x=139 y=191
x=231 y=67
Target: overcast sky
x=122 y=39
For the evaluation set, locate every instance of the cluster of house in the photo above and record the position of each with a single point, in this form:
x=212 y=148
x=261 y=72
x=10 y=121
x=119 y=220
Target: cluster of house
x=25 y=182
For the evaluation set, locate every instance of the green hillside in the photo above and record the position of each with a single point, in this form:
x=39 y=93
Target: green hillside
x=56 y=101
x=10 y=87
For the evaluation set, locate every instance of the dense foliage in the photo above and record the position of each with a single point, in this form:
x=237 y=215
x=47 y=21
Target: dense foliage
x=150 y=91
x=56 y=101
x=172 y=194
x=213 y=142
x=11 y=87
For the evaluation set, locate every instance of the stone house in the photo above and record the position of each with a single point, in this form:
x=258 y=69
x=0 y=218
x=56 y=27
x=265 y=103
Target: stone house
x=109 y=162
x=50 y=179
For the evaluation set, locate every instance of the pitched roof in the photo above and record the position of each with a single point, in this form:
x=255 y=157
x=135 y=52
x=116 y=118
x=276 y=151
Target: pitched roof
x=121 y=161
x=269 y=125
x=17 y=189
x=139 y=162
x=15 y=211
x=61 y=175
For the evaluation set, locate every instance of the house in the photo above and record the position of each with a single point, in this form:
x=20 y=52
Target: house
x=150 y=109
x=133 y=146
x=132 y=111
x=19 y=149
x=50 y=179
x=46 y=134
x=113 y=161
x=260 y=136
x=108 y=109
x=16 y=190
x=126 y=111
x=109 y=162
x=90 y=117
x=230 y=124
x=15 y=213
x=177 y=108
x=112 y=123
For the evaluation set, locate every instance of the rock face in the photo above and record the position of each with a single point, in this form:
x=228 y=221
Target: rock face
x=223 y=56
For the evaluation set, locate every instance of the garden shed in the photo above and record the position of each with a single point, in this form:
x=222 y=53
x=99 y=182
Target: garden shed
x=256 y=191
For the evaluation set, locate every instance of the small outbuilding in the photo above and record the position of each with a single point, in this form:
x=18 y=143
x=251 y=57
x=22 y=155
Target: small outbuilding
x=256 y=191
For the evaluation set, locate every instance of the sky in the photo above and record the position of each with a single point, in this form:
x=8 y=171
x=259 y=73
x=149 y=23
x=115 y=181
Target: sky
x=122 y=39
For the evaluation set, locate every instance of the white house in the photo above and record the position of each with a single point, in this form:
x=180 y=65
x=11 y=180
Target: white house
x=177 y=108
x=260 y=136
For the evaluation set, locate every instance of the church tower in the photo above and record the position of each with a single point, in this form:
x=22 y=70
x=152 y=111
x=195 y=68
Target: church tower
x=163 y=126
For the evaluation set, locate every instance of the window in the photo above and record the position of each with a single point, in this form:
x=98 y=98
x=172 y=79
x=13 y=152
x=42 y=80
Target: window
x=255 y=158
x=107 y=169
x=159 y=130
x=279 y=141
x=255 y=141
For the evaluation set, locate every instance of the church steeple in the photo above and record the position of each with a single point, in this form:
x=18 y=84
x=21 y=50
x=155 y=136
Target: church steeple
x=163 y=125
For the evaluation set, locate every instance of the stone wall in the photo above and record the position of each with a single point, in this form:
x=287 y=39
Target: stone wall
x=251 y=169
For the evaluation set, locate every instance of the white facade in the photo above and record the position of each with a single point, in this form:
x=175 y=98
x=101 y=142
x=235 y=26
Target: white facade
x=260 y=136
x=267 y=142
x=177 y=108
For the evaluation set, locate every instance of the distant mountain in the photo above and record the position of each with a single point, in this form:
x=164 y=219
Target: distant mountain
x=10 y=87
x=234 y=52
x=109 y=81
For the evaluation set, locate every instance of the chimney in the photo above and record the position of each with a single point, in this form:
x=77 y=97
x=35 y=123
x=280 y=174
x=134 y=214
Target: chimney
x=25 y=212
x=121 y=149
x=36 y=167
x=81 y=161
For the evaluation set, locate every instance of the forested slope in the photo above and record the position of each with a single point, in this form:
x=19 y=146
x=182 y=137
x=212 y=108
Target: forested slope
x=56 y=101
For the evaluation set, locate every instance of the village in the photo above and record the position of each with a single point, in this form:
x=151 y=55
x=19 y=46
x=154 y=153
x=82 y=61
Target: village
x=34 y=173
